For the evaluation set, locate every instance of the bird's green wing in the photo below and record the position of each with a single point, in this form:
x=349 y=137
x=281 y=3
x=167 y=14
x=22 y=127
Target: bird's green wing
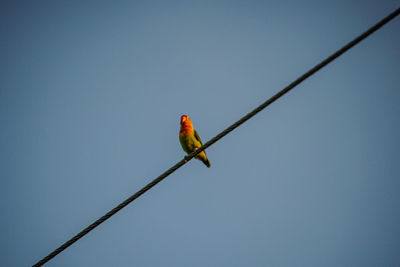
x=197 y=136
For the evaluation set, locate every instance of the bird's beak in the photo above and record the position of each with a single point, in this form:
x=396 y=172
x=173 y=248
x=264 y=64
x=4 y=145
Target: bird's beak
x=183 y=119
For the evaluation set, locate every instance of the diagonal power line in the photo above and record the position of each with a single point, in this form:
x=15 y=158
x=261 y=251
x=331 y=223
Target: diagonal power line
x=222 y=134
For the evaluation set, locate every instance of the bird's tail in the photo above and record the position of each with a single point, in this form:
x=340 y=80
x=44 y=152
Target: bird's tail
x=203 y=157
x=206 y=162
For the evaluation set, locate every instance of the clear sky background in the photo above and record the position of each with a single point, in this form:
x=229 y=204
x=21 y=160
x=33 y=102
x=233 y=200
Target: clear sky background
x=91 y=93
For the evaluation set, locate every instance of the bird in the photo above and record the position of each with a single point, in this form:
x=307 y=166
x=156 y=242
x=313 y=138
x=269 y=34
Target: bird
x=190 y=139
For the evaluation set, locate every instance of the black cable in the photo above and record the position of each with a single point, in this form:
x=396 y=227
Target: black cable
x=219 y=136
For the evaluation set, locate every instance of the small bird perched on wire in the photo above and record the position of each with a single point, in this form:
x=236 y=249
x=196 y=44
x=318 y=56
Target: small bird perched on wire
x=190 y=139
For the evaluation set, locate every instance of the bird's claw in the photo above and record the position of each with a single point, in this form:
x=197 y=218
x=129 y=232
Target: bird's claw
x=186 y=158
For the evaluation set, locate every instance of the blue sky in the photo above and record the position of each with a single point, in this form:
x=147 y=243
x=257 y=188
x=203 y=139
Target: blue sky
x=90 y=99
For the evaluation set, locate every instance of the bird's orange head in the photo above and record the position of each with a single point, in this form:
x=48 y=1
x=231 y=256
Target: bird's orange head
x=186 y=124
x=184 y=118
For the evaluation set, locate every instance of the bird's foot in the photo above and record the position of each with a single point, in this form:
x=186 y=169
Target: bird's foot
x=186 y=158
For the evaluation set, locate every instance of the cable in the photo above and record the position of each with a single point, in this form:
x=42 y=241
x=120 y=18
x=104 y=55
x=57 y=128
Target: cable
x=219 y=136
